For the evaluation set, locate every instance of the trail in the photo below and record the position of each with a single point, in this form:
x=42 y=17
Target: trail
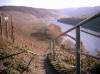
x=45 y=68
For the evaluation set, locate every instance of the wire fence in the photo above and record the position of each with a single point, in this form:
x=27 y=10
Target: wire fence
x=6 y=27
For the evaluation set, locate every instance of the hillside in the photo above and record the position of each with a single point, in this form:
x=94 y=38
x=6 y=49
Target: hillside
x=29 y=52
x=25 y=17
x=82 y=11
x=29 y=25
x=79 y=14
x=37 y=13
x=27 y=20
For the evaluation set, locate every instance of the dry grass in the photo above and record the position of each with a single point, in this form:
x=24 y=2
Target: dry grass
x=65 y=63
x=16 y=63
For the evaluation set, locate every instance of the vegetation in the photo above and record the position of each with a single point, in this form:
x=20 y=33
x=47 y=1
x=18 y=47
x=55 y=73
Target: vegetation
x=28 y=35
x=52 y=31
x=65 y=63
x=15 y=63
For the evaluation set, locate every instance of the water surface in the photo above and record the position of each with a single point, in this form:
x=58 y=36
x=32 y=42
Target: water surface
x=91 y=43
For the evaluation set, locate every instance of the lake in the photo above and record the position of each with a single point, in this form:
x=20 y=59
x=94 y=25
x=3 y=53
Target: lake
x=91 y=43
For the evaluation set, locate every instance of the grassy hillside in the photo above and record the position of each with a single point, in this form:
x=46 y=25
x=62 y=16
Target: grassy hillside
x=15 y=59
x=82 y=11
x=29 y=28
x=28 y=21
x=25 y=18
x=35 y=13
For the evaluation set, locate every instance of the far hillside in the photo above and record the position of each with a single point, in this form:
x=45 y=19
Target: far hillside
x=79 y=14
x=82 y=11
x=92 y=25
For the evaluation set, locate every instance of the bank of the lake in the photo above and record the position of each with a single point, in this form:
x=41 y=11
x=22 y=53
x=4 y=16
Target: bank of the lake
x=92 y=25
x=91 y=43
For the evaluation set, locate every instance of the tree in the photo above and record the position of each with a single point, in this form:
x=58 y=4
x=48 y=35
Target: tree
x=53 y=31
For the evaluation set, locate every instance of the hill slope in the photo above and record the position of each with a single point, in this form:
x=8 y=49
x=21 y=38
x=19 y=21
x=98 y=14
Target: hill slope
x=27 y=19
x=37 y=13
x=28 y=23
x=80 y=11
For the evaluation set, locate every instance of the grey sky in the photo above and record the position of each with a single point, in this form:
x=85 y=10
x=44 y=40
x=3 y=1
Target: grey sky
x=52 y=4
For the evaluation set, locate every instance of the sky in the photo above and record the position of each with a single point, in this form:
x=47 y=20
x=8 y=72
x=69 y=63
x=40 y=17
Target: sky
x=51 y=4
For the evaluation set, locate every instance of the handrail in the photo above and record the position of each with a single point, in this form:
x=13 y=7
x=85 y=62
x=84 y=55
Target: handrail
x=97 y=35
x=71 y=37
x=80 y=24
x=78 y=41
x=73 y=51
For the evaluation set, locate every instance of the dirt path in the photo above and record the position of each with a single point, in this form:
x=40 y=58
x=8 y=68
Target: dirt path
x=45 y=68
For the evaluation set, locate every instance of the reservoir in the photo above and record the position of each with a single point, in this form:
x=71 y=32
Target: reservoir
x=91 y=43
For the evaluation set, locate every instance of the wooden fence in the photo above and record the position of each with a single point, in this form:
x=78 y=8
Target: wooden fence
x=4 y=20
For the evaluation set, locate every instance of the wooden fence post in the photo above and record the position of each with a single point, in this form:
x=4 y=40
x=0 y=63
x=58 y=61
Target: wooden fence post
x=1 y=25
x=78 y=62
x=54 y=50
x=12 y=30
x=6 y=29
x=6 y=26
x=50 y=44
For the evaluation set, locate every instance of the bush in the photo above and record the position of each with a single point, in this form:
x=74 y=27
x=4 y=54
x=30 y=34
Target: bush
x=53 y=31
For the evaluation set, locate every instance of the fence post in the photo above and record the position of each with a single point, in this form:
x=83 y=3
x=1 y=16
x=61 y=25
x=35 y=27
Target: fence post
x=50 y=44
x=78 y=62
x=12 y=30
x=53 y=49
x=1 y=25
x=6 y=29
x=6 y=25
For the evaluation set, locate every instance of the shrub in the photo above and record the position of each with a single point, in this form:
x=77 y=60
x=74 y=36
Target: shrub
x=53 y=31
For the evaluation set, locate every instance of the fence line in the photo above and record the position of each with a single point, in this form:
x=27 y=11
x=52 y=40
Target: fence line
x=71 y=37
x=4 y=23
x=97 y=35
x=82 y=53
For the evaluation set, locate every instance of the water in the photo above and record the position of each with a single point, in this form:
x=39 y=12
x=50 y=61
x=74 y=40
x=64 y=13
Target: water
x=91 y=43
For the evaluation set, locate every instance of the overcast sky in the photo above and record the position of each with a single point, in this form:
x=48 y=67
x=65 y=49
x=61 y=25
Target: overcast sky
x=51 y=4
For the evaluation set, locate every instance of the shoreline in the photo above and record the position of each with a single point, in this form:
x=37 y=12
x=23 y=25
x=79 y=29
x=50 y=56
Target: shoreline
x=86 y=26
